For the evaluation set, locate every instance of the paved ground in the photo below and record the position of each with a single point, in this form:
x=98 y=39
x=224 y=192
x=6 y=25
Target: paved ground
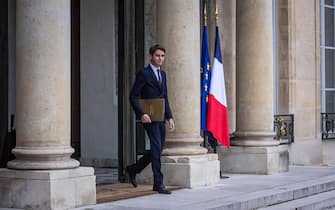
x=237 y=186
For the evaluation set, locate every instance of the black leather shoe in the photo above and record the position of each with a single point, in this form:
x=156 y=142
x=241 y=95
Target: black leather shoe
x=161 y=189
x=131 y=176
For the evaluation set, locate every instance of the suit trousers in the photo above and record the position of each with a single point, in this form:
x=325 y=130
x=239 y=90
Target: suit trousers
x=156 y=132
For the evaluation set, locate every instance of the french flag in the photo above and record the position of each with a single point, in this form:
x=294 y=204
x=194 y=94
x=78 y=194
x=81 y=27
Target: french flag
x=217 y=111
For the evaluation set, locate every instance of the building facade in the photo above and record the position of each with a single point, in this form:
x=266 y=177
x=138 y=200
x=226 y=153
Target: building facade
x=67 y=67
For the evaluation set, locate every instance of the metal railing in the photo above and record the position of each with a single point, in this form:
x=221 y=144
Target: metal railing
x=328 y=125
x=284 y=128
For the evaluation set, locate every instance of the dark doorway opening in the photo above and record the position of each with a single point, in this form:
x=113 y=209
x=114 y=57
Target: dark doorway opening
x=4 y=150
x=75 y=77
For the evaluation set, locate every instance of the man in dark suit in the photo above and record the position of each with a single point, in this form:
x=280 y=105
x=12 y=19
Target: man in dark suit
x=151 y=83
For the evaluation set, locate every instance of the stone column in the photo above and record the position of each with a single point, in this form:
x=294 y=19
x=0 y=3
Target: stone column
x=175 y=19
x=253 y=149
x=43 y=86
x=185 y=162
x=43 y=114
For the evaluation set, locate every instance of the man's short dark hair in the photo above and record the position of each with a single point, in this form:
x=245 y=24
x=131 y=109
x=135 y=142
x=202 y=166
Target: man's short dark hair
x=153 y=49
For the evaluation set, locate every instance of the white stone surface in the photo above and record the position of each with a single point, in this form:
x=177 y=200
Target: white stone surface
x=179 y=64
x=319 y=201
x=239 y=191
x=43 y=85
x=254 y=66
x=303 y=81
x=254 y=150
x=186 y=171
x=254 y=160
x=308 y=152
x=57 y=189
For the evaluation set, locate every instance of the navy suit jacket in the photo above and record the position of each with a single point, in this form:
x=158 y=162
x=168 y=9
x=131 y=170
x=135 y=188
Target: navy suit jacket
x=147 y=86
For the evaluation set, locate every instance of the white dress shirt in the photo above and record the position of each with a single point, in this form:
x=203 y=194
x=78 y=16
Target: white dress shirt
x=158 y=75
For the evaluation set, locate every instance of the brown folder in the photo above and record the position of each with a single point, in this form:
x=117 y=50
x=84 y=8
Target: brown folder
x=155 y=108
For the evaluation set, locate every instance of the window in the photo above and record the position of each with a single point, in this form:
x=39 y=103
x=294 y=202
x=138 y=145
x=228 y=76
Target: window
x=328 y=55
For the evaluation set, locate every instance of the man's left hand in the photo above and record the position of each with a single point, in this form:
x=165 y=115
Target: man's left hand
x=171 y=125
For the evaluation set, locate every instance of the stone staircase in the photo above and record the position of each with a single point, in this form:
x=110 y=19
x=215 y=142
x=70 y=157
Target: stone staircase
x=324 y=200
x=303 y=187
x=309 y=195
x=318 y=194
x=312 y=195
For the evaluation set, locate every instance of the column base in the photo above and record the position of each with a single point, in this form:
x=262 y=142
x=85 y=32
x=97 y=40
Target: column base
x=181 y=145
x=186 y=171
x=56 y=189
x=254 y=160
x=43 y=158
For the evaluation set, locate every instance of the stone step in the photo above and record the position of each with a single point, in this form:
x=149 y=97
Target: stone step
x=324 y=200
x=273 y=196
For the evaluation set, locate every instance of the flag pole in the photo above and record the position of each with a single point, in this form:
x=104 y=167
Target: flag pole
x=216 y=15
x=205 y=13
x=216 y=24
x=205 y=24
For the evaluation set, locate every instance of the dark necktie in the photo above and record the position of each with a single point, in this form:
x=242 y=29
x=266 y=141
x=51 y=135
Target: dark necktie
x=159 y=76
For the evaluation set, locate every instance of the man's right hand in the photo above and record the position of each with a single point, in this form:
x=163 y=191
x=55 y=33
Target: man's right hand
x=145 y=118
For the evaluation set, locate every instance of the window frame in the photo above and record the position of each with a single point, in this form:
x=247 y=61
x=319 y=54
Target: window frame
x=323 y=48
